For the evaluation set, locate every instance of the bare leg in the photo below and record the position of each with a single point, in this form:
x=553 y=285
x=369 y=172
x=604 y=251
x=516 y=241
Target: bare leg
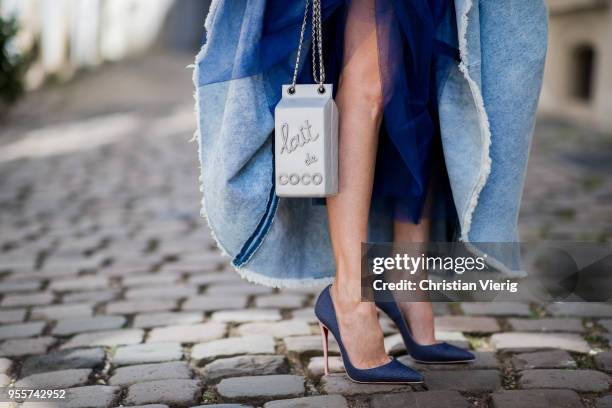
x=359 y=102
x=419 y=315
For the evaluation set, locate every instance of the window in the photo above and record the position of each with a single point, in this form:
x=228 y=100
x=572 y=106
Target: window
x=583 y=60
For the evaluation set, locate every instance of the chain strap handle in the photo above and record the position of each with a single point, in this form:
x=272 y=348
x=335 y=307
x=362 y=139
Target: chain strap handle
x=317 y=47
x=317 y=40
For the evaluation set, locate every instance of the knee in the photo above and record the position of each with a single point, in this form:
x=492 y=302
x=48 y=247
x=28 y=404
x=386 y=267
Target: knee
x=372 y=100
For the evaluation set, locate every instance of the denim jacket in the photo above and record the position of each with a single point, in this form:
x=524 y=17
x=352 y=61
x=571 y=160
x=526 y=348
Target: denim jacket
x=487 y=106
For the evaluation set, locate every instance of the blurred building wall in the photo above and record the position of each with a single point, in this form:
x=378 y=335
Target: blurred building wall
x=70 y=34
x=578 y=76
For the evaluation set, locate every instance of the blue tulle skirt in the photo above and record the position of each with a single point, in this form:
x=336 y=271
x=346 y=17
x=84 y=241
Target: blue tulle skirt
x=409 y=152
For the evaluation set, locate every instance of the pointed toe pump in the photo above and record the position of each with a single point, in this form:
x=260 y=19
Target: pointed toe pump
x=391 y=372
x=438 y=353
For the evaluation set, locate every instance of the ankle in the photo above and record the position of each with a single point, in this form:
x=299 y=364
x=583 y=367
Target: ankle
x=346 y=294
x=420 y=319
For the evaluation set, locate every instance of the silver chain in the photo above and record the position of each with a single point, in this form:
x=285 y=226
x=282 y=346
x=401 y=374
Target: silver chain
x=317 y=46
x=317 y=42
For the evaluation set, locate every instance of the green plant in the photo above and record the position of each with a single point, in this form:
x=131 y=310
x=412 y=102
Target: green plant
x=13 y=65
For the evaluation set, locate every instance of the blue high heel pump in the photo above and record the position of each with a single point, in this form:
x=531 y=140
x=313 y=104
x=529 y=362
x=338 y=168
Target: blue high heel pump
x=439 y=353
x=391 y=372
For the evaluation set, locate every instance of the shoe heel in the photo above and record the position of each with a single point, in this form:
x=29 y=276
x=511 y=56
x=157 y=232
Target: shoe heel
x=325 y=338
x=392 y=372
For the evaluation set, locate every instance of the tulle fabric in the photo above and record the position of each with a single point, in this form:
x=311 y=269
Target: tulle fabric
x=409 y=151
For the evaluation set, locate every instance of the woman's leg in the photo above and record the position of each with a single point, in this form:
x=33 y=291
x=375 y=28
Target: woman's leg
x=359 y=100
x=419 y=315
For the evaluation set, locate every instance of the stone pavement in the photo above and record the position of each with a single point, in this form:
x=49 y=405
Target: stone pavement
x=112 y=288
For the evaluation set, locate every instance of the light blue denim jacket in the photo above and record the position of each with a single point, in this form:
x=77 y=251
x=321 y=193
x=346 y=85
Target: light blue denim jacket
x=487 y=106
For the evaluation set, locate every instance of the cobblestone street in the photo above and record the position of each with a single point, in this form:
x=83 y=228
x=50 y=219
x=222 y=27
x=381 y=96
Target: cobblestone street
x=112 y=287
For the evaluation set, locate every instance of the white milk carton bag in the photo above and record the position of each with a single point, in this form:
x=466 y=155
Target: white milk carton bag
x=306 y=142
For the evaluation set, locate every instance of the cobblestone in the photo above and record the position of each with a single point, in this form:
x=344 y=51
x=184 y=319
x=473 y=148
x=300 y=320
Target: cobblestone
x=606 y=324
x=80 y=284
x=261 y=387
x=604 y=402
x=188 y=333
x=244 y=365
x=56 y=379
x=150 y=279
x=98 y=296
x=428 y=399
x=149 y=406
x=247 y=315
x=63 y=311
x=170 y=392
x=150 y=372
x=473 y=381
x=582 y=309
x=20 y=286
x=5 y=380
x=12 y=315
x=520 y=340
x=214 y=277
x=285 y=328
x=536 y=399
x=5 y=365
x=108 y=338
x=280 y=301
x=341 y=384
x=161 y=292
x=224 y=406
x=93 y=396
x=467 y=324
x=316 y=368
x=140 y=306
x=577 y=380
x=22 y=347
x=318 y=401
x=308 y=346
x=603 y=361
x=213 y=303
x=547 y=325
x=543 y=359
x=149 y=320
x=61 y=360
x=80 y=325
x=147 y=353
x=14 y=331
x=495 y=309
x=30 y=299
x=260 y=344
x=242 y=288
x=306 y=314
